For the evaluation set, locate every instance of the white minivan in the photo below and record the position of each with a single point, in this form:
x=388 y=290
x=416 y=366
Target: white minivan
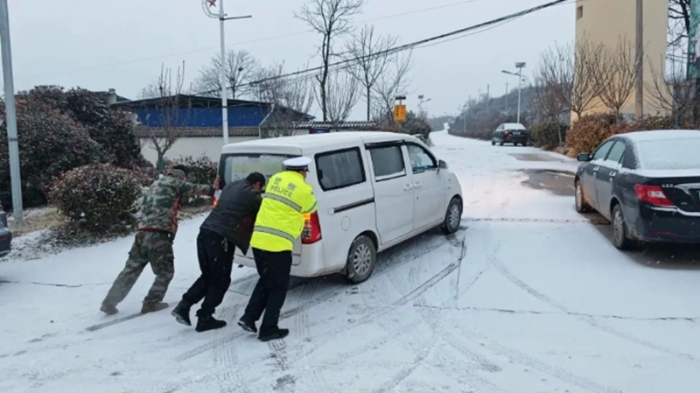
x=373 y=189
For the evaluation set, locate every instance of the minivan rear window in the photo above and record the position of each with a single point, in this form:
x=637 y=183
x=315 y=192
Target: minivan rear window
x=339 y=169
x=239 y=166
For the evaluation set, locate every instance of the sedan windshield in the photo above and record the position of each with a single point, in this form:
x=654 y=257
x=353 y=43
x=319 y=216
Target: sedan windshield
x=679 y=153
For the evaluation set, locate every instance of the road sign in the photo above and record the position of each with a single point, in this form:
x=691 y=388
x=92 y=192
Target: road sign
x=399 y=113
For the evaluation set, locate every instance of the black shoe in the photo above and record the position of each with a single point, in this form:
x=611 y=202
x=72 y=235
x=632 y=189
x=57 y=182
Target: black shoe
x=208 y=322
x=273 y=335
x=247 y=326
x=182 y=313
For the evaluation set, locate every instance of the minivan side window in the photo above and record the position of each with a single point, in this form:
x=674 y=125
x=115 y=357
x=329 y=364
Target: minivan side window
x=421 y=159
x=340 y=169
x=387 y=162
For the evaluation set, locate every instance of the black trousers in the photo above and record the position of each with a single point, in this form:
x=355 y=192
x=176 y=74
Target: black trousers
x=271 y=290
x=215 y=255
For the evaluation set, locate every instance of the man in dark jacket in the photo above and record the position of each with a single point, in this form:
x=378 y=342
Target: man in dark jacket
x=229 y=225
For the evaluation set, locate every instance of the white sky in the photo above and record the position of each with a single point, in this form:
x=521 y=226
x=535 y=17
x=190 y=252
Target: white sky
x=121 y=44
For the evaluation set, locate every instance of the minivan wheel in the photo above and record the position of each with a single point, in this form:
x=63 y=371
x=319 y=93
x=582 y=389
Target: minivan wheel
x=361 y=259
x=621 y=239
x=581 y=205
x=453 y=217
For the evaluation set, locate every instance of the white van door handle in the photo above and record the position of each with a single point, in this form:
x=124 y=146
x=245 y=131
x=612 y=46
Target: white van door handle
x=417 y=185
x=407 y=187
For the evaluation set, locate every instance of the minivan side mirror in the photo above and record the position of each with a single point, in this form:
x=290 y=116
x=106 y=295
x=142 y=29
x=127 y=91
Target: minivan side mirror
x=583 y=157
x=442 y=164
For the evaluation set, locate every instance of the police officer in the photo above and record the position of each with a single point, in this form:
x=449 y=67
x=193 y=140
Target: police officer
x=279 y=223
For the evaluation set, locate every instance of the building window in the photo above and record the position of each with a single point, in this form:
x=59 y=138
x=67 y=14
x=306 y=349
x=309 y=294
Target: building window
x=579 y=12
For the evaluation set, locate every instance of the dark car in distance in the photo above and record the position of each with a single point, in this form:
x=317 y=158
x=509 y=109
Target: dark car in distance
x=5 y=234
x=514 y=133
x=647 y=184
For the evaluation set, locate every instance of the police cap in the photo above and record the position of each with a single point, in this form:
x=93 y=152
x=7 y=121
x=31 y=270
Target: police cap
x=297 y=164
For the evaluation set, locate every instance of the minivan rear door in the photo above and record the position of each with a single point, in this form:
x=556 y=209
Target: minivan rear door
x=237 y=165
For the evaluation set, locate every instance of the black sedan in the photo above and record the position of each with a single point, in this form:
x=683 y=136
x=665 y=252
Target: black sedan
x=647 y=184
x=5 y=234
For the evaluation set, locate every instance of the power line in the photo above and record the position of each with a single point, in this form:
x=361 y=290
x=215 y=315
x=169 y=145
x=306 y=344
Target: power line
x=400 y=48
x=254 y=41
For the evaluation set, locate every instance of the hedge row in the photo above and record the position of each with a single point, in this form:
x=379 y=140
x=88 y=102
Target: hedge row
x=103 y=197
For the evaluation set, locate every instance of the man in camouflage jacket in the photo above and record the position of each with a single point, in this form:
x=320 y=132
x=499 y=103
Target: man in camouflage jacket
x=154 y=241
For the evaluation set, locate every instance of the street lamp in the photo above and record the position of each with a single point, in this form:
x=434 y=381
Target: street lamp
x=422 y=101
x=519 y=66
x=221 y=16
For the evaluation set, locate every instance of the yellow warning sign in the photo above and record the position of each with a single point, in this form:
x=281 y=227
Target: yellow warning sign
x=399 y=113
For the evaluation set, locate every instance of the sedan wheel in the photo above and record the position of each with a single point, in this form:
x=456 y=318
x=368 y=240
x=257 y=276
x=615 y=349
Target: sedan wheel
x=621 y=238
x=581 y=205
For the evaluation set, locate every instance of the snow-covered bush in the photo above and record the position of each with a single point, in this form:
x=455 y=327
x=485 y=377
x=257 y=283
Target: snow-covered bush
x=201 y=170
x=589 y=132
x=98 y=195
x=546 y=134
x=145 y=175
x=51 y=142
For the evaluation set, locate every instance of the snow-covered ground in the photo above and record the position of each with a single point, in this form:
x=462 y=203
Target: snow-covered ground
x=541 y=302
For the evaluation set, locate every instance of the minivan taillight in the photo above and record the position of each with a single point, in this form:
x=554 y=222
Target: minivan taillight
x=653 y=195
x=312 y=229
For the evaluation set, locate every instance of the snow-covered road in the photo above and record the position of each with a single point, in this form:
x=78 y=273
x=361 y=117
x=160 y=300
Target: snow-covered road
x=540 y=302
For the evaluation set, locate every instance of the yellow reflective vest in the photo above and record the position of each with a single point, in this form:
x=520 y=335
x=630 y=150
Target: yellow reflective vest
x=280 y=221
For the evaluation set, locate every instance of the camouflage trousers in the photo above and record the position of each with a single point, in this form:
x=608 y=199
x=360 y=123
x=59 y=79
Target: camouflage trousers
x=155 y=248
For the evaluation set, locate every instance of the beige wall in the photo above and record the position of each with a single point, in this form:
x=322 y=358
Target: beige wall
x=606 y=21
x=209 y=146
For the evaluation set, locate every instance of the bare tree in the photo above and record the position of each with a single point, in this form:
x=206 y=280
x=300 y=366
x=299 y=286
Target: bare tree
x=394 y=81
x=545 y=104
x=171 y=109
x=616 y=75
x=679 y=20
x=331 y=19
x=240 y=67
x=569 y=71
x=345 y=88
x=671 y=92
x=289 y=97
x=371 y=55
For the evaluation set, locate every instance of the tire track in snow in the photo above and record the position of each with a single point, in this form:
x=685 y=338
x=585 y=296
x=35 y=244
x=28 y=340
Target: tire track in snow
x=227 y=358
x=523 y=359
x=495 y=262
x=391 y=261
x=459 y=366
x=454 y=341
x=372 y=316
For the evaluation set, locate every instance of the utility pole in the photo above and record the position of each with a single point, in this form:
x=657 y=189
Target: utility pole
x=11 y=114
x=639 y=62
x=520 y=67
x=488 y=97
x=221 y=16
x=506 y=96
